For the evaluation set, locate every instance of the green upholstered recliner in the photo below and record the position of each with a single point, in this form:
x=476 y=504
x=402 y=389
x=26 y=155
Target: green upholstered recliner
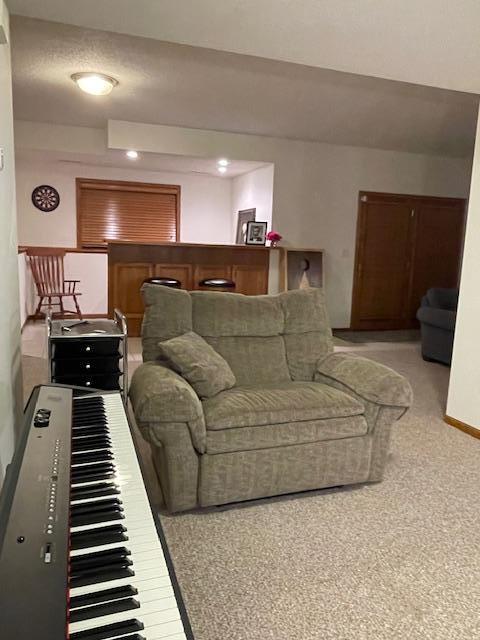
x=299 y=416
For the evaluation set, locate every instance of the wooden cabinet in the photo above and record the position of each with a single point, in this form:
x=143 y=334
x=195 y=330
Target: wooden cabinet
x=405 y=245
x=181 y=272
x=250 y=279
x=126 y=281
x=130 y=264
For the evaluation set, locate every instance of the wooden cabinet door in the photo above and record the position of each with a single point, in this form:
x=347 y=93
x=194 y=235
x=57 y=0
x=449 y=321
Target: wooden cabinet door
x=439 y=231
x=127 y=281
x=203 y=271
x=182 y=272
x=250 y=279
x=382 y=266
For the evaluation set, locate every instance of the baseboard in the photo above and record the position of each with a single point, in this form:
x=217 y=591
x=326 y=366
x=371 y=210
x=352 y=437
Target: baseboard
x=69 y=316
x=466 y=428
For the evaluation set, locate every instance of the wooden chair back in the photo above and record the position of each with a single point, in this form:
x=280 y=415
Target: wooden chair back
x=47 y=270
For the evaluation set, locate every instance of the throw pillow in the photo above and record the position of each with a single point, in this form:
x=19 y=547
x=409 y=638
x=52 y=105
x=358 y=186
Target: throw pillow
x=196 y=361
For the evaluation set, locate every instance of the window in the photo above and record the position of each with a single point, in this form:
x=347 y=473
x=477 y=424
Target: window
x=129 y=211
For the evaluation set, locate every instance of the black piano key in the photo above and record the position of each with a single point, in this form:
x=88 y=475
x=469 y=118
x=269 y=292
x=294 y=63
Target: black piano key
x=97 y=537
x=105 y=609
x=92 y=477
x=78 y=417
x=98 y=505
x=95 y=518
x=94 y=559
x=87 y=427
x=90 y=443
x=97 y=567
x=94 y=491
x=117 y=564
x=111 y=631
x=101 y=576
x=106 y=595
x=91 y=456
x=81 y=472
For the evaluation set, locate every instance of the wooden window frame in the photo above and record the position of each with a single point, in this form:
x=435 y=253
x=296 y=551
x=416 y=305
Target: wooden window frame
x=123 y=185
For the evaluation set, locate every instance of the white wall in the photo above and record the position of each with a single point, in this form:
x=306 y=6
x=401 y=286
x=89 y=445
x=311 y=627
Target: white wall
x=253 y=190
x=10 y=366
x=464 y=389
x=315 y=187
x=205 y=202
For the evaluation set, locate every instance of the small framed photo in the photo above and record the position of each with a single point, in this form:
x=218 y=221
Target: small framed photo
x=256 y=233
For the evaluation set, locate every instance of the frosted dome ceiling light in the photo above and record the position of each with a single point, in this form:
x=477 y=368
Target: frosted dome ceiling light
x=222 y=169
x=97 y=84
x=132 y=154
x=223 y=162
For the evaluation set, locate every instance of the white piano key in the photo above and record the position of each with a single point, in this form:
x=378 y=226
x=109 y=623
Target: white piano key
x=159 y=582
x=150 y=614
x=158 y=608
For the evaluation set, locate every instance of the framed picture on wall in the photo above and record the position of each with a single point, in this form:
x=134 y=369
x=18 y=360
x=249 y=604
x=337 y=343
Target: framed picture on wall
x=244 y=217
x=256 y=233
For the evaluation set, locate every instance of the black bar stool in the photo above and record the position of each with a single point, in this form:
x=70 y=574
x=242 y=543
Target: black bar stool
x=166 y=282
x=217 y=284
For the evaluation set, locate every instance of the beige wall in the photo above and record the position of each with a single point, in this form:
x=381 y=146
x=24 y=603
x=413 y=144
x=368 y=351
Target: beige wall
x=205 y=202
x=464 y=389
x=10 y=367
x=253 y=190
x=315 y=187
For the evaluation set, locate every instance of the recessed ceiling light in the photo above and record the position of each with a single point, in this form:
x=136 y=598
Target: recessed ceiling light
x=223 y=162
x=98 y=84
x=133 y=155
x=222 y=169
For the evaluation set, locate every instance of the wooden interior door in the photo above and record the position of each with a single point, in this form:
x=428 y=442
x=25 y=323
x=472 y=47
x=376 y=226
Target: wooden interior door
x=384 y=239
x=439 y=232
x=405 y=245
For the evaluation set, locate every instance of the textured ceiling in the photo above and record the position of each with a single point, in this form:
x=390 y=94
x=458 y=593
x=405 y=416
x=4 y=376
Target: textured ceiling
x=428 y=42
x=187 y=86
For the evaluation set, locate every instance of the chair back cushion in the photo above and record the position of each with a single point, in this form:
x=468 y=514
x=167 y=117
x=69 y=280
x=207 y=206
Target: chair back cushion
x=440 y=298
x=264 y=339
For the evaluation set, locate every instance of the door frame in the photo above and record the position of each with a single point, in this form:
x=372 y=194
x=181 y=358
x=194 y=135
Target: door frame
x=378 y=196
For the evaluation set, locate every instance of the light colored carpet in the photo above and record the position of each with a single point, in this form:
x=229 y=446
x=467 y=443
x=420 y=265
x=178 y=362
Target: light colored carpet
x=399 y=560
x=395 y=560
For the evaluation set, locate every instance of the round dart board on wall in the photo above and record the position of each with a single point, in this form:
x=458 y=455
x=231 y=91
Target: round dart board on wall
x=45 y=198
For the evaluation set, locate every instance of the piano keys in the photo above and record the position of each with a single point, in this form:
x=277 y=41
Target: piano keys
x=92 y=538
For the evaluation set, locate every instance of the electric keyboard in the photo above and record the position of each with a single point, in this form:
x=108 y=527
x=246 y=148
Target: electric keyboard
x=82 y=555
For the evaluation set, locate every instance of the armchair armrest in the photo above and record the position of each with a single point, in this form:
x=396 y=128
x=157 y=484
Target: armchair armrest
x=159 y=395
x=71 y=284
x=365 y=378
x=441 y=318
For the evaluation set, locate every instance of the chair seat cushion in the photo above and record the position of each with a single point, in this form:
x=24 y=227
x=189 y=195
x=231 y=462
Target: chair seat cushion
x=284 y=435
x=276 y=404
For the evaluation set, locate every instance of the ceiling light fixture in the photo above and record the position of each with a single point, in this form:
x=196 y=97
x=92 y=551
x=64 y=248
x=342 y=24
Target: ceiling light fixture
x=222 y=169
x=97 y=84
x=223 y=162
x=133 y=155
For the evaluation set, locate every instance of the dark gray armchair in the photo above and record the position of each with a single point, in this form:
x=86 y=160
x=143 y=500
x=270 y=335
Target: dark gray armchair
x=437 y=316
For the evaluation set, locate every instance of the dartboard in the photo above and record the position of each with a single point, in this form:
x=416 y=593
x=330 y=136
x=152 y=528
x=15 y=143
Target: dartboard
x=45 y=198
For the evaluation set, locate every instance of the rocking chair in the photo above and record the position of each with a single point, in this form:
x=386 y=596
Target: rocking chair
x=48 y=275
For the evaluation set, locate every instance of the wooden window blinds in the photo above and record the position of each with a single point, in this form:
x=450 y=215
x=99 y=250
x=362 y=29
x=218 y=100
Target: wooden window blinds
x=128 y=211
